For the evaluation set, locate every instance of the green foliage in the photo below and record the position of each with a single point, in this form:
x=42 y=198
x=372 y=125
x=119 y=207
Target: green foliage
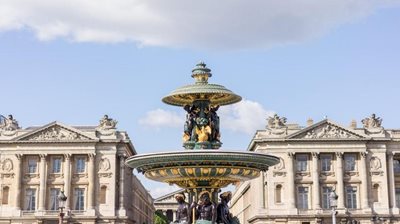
x=160 y=218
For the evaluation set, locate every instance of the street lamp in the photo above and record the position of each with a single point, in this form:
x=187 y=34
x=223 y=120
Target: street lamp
x=61 y=205
x=333 y=203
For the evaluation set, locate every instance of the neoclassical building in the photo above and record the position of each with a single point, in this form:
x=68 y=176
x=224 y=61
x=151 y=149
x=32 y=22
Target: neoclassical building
x=87 y=162
x=360 y=163
x=168 y=205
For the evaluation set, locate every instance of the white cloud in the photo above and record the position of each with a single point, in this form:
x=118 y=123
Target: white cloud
x=226 y=24
x=159 y=118
x=246 y=116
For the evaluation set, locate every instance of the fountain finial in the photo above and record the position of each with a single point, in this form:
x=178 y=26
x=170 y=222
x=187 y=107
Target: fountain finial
x=201 y=73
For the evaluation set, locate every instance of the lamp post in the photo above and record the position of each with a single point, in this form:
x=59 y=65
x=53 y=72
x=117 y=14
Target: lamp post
x=333 y=203
x=61 y=205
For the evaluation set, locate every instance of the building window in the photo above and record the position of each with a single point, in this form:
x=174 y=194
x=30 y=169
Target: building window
x=5 y=193
x=79 y=199
x=103 y=194
x=326 y=161
x=398 y=197
x=351 y=196
x=32 y=165
x=350 y=162
x=301 y=162
x=54 y=192
x=375 y=192
x=326 y=191
x=80 y=164
x=56 y=165
x=278 y=193
x=30 y=199
x=396 y=166
x=302 y=197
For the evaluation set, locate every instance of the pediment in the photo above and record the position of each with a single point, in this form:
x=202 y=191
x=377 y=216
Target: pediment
x=56 y=132
x=168 y=198
x=326 y=130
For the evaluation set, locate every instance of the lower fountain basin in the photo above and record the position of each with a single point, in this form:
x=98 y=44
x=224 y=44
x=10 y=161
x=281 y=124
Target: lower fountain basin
x=202 y=168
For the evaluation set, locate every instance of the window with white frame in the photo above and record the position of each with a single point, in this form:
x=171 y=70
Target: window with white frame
x=54 y=192
x=32 y=165
x=301 y=160
x=326 y=192
x=350 y=162
x=80 y=164
x=326 y=161
x=56 y=165
x=79 y=195
x=302 y=197
x=351 y=197
x=30 y=199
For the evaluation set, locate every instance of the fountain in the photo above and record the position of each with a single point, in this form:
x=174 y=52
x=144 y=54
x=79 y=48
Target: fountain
x=201 y=167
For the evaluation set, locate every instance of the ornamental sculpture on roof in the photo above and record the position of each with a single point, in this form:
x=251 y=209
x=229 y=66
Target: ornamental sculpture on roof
x=107 y=123
x=8 y=123
x=372 y=122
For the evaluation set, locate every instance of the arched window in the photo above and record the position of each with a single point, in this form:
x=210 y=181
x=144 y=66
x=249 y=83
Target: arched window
x=278 y=193
x=103 y=194
x=4 y=199
x=375 y=192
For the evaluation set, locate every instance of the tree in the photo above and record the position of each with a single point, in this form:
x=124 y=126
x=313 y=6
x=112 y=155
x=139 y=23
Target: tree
x=160 y=218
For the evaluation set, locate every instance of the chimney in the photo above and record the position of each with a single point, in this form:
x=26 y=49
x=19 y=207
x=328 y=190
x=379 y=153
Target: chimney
x=353 y=124
x=310 y=122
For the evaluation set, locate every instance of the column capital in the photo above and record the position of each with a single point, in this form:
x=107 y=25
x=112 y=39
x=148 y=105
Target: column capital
x=91 y=156
x=315 y=155
x=19 y=156
x=363 y=154
x=67 y=156
x=122 y=156
x=339 y=155
x=43 y=156
x=291 y=154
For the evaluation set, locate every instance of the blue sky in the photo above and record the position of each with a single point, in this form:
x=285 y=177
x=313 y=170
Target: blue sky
x=338 y=59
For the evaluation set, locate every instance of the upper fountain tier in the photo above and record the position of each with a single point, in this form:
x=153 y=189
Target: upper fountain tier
x=201 y=90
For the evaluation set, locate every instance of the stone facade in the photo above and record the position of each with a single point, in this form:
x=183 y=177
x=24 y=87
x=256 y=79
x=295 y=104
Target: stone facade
x=87 y=162
x=168 y=205
x=360 y=164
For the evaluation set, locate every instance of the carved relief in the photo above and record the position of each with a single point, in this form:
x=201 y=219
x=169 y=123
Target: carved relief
x=7 y=165
x=280 y=165
x=104 y=164
x=375 y=165
x=56 y=133
x=277 y=125
x=329 y=131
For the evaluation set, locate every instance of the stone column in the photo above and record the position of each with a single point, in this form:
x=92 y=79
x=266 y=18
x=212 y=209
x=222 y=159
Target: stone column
x=392 y=188
x=18 y=170
x=122 y=210
x=91 y=175
x=339 y=174
x=173 y=215
x=364 y=182
x=42 y=186
x=291 y=184
x=316 y=187
x=67 y=180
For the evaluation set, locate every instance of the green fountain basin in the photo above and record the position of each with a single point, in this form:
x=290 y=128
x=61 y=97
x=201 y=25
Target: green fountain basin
x=202 y=168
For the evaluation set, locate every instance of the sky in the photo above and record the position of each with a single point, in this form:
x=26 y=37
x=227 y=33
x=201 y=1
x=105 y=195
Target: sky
x=74 y=61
